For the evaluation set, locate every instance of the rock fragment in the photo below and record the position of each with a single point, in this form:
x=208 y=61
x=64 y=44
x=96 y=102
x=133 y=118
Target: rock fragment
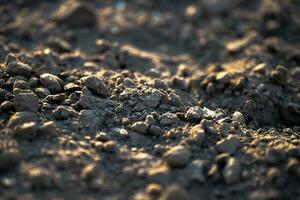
x=64 y=112
x=279 y=75
x=76 y=14
x=168 y=119
x=7 y=106
x=89 y=101
x=273 y=156
x=18 y=68
x=194 y=114
x=26 y=102
x=26 y=130
x=95 y=85
x=228 y=145
x=197 y=134
x=20 y=118
x=48 y=128
x=177 y=156
x=52 y=82
x=232 y=171
x=174 y=192
x=238 y=117
x=140 y=127
x=155 y=130
x=42 y=92
x=196 y=170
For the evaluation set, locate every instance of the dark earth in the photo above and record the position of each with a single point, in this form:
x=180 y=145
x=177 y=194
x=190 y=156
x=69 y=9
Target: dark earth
x=148 y=99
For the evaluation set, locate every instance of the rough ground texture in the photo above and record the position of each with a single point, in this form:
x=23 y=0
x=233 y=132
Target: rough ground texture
x=150 y=99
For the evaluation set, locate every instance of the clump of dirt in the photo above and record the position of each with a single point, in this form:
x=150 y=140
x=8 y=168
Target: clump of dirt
x=150 y=100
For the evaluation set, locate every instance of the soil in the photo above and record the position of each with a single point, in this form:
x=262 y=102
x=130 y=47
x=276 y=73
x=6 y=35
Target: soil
x=147 y=99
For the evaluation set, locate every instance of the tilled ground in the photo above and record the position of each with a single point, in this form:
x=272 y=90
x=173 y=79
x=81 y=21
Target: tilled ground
x=150 y=99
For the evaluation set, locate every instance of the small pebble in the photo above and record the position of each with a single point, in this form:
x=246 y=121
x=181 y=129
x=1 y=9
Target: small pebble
x=64 y=112
x=238 y=117
x=232 y=171
x=228 y=145
x=20 y=118
x=95 y=85
x=177 y=156
x=174 y=192
x=19 y=68
x=110 y=146
x=140 y=127
x=155 y=130
x=26 y=130
x=26 y=102
x=52 y=82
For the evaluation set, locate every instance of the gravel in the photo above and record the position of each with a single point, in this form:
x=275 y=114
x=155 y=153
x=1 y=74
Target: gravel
x=148 y=100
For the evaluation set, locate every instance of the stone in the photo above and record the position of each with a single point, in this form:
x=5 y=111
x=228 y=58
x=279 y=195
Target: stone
x=152 y=100
x=20 y=118
x=26 y=102
x=224 y=77
x=216 y=7
x=72 y=87
x=238 y=117
x=56 y=98
x=48 y=128
x=64 y=112
x=140 y=127
x=279 y=75
x=228 y=145
x=9 y=157
x=89 y=101
x=7 y=106
x=76 y=14
x=103 y=137
x=91 y=119
x=196 y=170
x=293 y=167
x=177 y=156
x=38 y=177
x=153 y=189
x=110 y=146
x=232 y=171
x=18 y=68
x=197 y=134
x=225 y=129
x=128 y=83
x=194 y=114
x=273 y=156
x=169 y=119
x=26 y=130
x=291 y=113
x=3 y=95
x=20 y=84
x=42 y=92
x=95 y=85
x=52 y=82
x=155 y=130
x=89 y=172
x=174 y=192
